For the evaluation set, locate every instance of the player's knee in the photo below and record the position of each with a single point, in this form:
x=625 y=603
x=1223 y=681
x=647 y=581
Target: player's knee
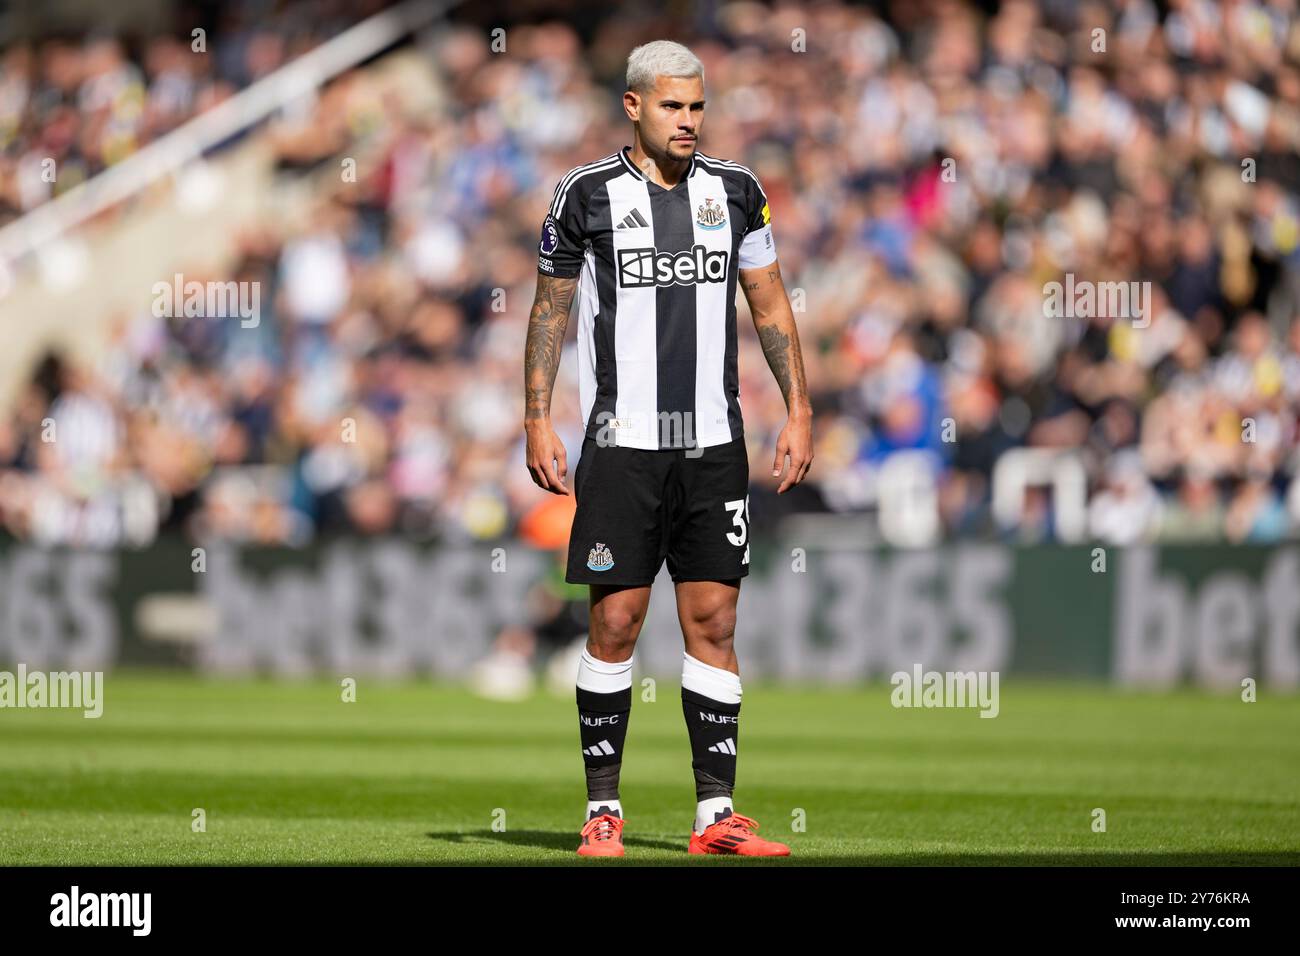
x=614 y=629
x=716 y=625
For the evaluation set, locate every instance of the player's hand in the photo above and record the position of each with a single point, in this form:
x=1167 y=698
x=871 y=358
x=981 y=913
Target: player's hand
x=795 y=443
x=548 y=463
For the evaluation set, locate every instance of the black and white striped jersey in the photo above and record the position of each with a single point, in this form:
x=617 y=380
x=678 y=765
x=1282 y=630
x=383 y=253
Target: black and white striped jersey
x=657 y=296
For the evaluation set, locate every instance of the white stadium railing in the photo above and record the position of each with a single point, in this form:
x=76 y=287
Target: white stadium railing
x=169 y=153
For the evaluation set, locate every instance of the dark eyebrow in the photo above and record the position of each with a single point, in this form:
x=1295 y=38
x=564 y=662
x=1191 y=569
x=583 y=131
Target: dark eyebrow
x=675 y=103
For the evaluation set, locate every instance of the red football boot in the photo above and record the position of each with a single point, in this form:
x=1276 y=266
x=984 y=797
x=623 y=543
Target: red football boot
x=602 y=836
x=735 y=835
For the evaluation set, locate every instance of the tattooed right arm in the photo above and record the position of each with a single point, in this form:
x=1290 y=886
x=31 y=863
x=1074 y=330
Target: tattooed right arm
x=547 y=323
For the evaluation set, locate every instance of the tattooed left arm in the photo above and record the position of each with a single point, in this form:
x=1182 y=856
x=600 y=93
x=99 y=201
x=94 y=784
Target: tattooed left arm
x=774 y=321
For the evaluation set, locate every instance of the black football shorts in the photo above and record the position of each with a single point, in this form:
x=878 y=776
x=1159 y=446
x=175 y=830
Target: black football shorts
x=637 y=507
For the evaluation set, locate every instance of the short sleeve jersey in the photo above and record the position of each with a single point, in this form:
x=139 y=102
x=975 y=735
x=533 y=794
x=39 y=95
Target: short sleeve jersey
x=656 y=301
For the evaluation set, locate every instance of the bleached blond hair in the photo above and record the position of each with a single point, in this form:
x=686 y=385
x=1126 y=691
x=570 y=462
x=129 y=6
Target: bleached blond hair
x=660 y=58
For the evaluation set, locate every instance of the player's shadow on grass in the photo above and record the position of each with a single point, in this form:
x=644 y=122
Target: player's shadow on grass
x=568 y=843
x=545 y=839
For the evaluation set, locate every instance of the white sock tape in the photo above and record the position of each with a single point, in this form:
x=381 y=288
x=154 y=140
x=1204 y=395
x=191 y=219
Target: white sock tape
x=712 y=682
x=602 y=677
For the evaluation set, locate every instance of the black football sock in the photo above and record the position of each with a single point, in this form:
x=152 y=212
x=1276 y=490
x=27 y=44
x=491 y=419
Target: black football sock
x=602 y=723
x=714 y=729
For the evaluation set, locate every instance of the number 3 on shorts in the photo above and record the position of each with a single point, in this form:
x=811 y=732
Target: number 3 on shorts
x=740 y=518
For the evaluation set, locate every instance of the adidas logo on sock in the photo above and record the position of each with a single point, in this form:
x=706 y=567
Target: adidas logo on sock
x=727 y=746
x=602 y=749
x=632 y=220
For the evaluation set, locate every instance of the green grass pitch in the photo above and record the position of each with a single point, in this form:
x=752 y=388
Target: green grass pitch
x=416 y=773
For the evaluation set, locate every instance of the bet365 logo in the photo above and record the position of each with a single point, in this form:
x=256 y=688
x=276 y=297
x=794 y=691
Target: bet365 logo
x=638 y=268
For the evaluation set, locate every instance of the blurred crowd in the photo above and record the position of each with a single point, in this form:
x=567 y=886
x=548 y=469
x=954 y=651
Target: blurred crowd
x=930 y=171
x=73 y=105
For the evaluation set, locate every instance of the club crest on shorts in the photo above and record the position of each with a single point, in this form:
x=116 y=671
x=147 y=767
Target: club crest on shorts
x=599 y=558
x=710 y=216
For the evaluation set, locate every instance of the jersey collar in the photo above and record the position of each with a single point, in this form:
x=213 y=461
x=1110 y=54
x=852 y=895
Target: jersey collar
x=625 y=155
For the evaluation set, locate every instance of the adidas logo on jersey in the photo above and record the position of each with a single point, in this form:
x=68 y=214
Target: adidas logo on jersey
x=633 y=220
x=727 y=746
x=638 y=268
x=602 y=749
